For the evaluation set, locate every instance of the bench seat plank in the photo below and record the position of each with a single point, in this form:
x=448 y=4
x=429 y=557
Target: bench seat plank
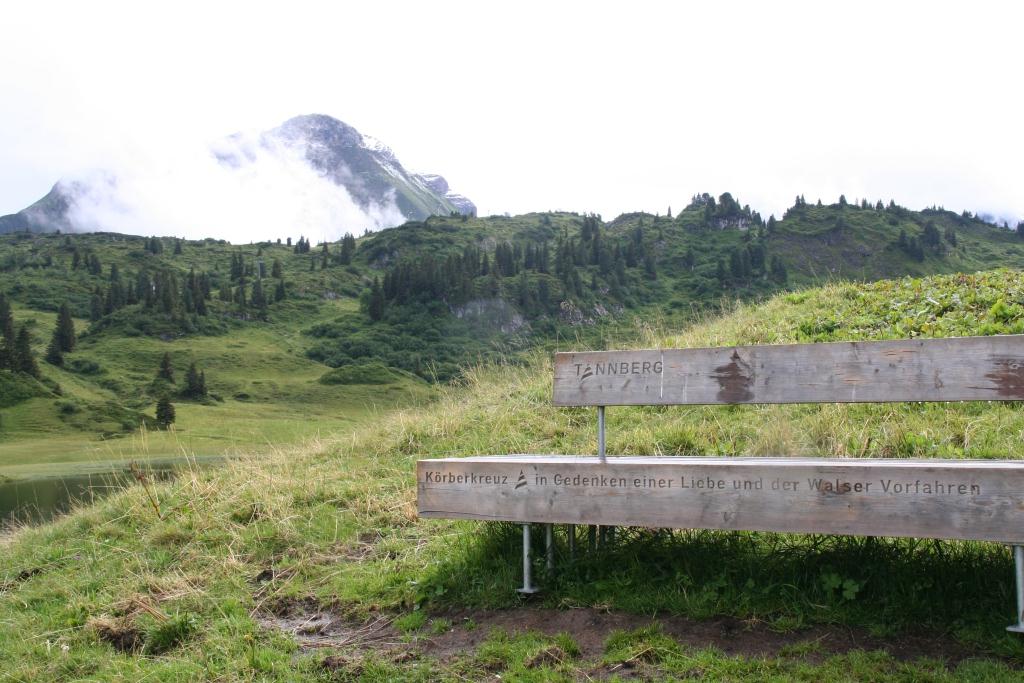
x=954 y=369
x=948 y=499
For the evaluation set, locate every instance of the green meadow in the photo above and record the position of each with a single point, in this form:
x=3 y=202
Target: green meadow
x=307 y=562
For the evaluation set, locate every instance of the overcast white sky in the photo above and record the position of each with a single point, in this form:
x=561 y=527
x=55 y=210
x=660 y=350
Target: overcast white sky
x=529 y=106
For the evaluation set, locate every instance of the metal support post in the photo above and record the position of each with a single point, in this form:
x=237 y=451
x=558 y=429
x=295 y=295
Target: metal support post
x=1018 y=572
x=607 y=534
x=570 y=531
x=592 y=537
x=549 y=546
x=602 y=536
x=528 y=587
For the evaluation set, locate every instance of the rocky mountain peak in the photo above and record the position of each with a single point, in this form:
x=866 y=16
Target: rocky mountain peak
x=365 y=167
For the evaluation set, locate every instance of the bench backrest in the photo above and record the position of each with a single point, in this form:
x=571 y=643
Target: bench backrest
x=962 y=499
x=953 y=369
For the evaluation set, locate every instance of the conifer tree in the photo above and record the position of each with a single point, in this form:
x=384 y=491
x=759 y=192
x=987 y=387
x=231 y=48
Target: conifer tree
x=199 y=301
x=777 y=270
x=543 y=293
x=6 y=319
x=165 y=414
x=348 y=248
x=64 y=333
x=6 y=335
x=689 y=258
x=375 y=301
x=650 y=267
x=5 y=312
x=144 y=290
x=915 y=249
x=736 y=264
x=720 y=272
x=950 y=235
x=259 y=300
x=240 y=298
x=237 y=266
x=53 y=353
x=279 y=291
x=177 y=247
x=195 y=383
x=166 y=371
x=23 y=358
x=275 y=269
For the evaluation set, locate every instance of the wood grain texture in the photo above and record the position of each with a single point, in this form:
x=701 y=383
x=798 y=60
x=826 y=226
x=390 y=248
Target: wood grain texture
x=949 y=499
x=955 y=369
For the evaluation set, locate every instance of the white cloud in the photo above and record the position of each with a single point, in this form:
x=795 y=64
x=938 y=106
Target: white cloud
x=186 y=191
x=587 y=106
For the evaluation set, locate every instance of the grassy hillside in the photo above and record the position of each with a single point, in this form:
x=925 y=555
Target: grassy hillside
x=451 y=291
x=222 y=573
x=98 y=407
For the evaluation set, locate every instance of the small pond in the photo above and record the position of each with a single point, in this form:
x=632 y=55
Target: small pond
x=43 y=498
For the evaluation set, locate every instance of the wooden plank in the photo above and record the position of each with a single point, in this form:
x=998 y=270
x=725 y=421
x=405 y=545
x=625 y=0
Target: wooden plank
x=956 y=369
x=951 y=499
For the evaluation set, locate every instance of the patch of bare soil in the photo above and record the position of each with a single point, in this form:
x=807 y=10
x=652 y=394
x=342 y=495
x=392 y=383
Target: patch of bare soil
x=590 y=629
x=20 y=577
x=314 y=627
x=120 y=633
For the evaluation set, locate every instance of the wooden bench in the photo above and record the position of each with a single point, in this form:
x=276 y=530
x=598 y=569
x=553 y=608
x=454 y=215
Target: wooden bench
x=936 y=498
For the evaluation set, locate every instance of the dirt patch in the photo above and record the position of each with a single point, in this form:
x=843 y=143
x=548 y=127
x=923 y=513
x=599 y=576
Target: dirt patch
x=363 y=548
x=21 y=577
x=119 y=633
x=314 y=627
x=590 y=629
x=549 y=656
x=340 y=663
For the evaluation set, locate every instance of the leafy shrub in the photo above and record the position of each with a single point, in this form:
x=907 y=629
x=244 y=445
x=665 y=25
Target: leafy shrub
x=84 y=366
x=15 y=388
x=67 y=407
x=368 y=373
x=425 y=340
x=817 y=329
